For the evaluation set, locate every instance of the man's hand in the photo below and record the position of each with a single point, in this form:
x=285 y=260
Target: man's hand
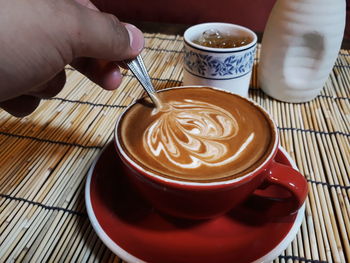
x=39 y=37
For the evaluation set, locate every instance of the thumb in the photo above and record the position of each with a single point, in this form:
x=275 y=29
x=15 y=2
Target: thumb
x=102 y=36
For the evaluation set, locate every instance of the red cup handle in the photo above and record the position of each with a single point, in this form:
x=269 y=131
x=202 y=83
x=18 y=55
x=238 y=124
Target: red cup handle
x=291 y=181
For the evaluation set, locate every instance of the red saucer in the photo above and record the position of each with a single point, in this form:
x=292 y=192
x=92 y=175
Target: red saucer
x=133 y=230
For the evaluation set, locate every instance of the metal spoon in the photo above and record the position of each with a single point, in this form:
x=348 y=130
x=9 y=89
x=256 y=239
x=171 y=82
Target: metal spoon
x=137 y=67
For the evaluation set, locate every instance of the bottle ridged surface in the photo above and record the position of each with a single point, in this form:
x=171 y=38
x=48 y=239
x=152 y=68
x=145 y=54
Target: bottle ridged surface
x=301 y=42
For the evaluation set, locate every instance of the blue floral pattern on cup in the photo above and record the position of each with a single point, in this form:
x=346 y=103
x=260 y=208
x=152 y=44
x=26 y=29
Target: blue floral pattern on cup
x=216 y=67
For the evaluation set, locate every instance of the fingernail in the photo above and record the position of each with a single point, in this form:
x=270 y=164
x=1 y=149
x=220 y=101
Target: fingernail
x=136 y=38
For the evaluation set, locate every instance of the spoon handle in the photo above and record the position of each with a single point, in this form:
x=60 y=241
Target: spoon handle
x=137 y=67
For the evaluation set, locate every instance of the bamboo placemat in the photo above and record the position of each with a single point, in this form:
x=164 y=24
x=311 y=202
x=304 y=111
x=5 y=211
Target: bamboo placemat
x=44 y=159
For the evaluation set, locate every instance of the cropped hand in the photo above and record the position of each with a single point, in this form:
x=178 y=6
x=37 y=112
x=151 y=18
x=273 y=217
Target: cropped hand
x=38 y=38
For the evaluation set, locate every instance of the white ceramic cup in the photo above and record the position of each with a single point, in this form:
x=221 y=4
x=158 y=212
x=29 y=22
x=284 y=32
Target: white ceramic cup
x=225 y=68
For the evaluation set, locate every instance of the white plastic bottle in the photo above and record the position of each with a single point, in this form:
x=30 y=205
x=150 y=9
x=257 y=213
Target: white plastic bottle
x=300 y=44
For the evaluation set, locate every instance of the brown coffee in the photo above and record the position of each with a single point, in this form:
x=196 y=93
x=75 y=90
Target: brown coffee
x=203 y=135
x=216 y=39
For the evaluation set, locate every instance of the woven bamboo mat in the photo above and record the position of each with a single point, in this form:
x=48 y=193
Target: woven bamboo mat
x=44 y=159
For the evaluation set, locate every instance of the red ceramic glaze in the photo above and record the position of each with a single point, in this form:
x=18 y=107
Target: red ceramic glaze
x=137 y=232
x=193 y=200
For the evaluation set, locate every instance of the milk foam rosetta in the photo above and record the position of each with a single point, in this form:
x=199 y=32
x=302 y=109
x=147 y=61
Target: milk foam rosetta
x=192 y=133
x=201 y=135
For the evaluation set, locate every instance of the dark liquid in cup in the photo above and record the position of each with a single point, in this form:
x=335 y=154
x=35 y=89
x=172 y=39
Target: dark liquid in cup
x=204 y=135
x=216 y=39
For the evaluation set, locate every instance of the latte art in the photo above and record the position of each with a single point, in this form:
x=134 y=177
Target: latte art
x=200 y=135
x=192 y=133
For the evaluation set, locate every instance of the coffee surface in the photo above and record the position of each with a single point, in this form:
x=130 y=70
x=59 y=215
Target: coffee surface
x=202 y=135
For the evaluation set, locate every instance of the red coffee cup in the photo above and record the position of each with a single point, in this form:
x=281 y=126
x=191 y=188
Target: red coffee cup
x=204 y=200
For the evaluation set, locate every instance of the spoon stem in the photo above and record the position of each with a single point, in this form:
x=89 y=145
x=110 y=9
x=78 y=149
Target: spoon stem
x=137 y=67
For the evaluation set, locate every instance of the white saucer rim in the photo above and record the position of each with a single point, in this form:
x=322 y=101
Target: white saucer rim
x=120 y=252
x=126 y=256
